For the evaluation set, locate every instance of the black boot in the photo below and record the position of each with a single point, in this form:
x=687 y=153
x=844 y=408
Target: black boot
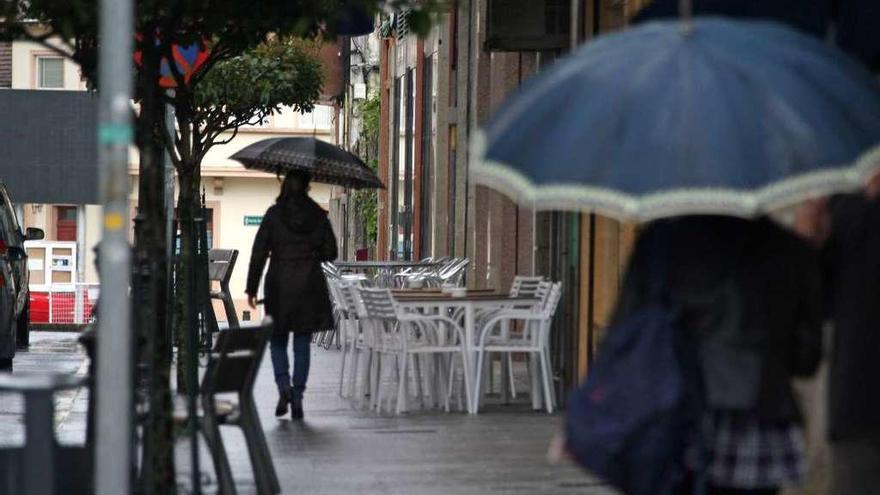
x=296 y=409
x=283 y=400
x=6 y=365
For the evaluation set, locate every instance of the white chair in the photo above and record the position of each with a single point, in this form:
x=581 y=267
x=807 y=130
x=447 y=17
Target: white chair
x=522 y=286
x=347 y=325
x=534 y=339
x=452 y=273
x=402 y=336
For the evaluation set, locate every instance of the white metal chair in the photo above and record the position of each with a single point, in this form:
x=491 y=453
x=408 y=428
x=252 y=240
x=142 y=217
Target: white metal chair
x=402 y=336
x=522 y=286
x=346 y=323
x=534 y=339
x=450 y=273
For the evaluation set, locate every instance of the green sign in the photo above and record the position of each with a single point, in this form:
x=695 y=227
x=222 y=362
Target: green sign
x=253 y=219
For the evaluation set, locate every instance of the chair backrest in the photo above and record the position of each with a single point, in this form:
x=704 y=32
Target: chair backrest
x=330 y=270
x=523 y=286
x=335 y=294
x=236 y=358
x=221 y=262
x=378 y=304
x=454 y=268
x=348 y=293
x=551 y=301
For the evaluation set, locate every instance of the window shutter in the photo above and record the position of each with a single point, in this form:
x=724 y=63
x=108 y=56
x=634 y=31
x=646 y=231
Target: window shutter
x=5 y=64
x=401 y=24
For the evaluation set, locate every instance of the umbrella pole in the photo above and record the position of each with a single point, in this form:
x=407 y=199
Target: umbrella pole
x=686 y=13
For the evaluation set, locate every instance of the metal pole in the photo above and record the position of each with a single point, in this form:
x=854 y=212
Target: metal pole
x=170 y=231
x=80 y=264
x=114 y=381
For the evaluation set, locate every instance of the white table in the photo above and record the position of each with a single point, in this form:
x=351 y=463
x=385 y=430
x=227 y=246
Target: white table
x=470 y=304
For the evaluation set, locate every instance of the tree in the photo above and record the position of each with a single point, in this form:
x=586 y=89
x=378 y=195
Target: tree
x=366 y=201
x=222 y=93
x=243 y=90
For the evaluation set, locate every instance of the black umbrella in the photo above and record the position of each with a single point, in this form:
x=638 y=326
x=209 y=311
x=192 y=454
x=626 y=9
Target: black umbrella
x=327 y=163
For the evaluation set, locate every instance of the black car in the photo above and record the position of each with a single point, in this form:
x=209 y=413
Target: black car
x=14 y=293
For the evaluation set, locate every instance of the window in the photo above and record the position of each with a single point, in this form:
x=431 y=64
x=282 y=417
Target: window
x=321 y=117
x=65 y=223
x=402 y=167
x=50 y=72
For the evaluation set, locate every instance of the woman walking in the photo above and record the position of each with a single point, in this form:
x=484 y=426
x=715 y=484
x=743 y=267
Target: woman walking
x=296 y=234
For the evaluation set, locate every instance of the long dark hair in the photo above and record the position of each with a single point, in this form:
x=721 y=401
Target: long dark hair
x=295 y=185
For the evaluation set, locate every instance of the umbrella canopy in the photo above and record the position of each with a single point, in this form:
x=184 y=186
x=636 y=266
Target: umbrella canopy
x=327 y=163
x=730 y=117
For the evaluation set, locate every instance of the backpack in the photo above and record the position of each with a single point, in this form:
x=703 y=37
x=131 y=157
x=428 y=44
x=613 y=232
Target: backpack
x=632 y=420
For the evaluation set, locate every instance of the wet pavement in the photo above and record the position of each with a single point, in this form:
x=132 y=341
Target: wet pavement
x=339 y=449
x=49 y=352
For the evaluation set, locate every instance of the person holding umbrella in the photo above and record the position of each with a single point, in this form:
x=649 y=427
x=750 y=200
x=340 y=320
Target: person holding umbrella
x=749 y=300
x=296 y=234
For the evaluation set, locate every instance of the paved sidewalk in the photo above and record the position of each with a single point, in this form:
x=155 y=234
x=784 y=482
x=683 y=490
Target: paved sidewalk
x=340 y=450
x=49 y=352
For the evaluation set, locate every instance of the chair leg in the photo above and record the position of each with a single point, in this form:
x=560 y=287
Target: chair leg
x=414 y=365
x=552 y=388
x=211 y=432
x=402 y=384
x=510 y=374
x=354 y=369
x=261 y=458
x=535 y=381
x=342 y=370
x=475 y=402
x=450 y=382
x=548 y=382
x=377 y=386
x=468 y=380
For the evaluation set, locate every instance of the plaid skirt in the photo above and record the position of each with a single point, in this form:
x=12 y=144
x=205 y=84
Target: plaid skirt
x=745 y=452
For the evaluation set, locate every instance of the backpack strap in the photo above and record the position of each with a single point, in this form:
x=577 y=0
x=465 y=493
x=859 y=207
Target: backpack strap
x=658 y=262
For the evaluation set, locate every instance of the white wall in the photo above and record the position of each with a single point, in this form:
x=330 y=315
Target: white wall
x=24 y=66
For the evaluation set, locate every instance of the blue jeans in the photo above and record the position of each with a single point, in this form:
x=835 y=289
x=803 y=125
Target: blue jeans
x=278 y=351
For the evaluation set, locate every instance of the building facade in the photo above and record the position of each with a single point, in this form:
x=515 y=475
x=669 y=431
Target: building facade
x=236 y=198
x=435 y=91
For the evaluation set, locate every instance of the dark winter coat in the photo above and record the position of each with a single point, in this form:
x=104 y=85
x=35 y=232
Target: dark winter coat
x=749 y=292
x=297 y=236
x=852 y=269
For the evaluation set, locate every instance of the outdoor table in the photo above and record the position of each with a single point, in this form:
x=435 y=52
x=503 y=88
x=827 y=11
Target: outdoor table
x=472 y=302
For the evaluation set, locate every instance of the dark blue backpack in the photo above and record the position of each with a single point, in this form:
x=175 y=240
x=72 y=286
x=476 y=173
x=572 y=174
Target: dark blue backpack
x=632 y=420
x=625 y=424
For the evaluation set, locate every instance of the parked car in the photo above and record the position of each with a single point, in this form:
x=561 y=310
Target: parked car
x=14 y=293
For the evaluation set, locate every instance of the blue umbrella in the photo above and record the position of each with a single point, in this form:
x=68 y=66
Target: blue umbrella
x=730 y=117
